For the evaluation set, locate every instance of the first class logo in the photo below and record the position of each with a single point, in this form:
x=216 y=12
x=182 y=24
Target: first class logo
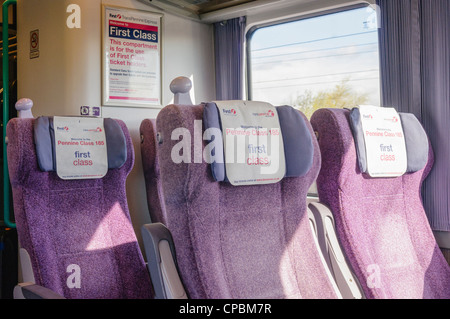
x=393 y=119
x=98 y=129
x=269 y=113
x=370 y=117
x=115 y=16
x=130 y=18
x=231 y=112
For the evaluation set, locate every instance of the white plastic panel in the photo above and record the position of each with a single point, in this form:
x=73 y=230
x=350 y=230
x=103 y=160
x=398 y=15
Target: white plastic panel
x=172 y=282
x=322 y=259
x=345 y=279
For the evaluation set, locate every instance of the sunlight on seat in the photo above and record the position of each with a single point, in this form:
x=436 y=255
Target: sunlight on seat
x=287 y=276
x=287 y=271
x=115 y=219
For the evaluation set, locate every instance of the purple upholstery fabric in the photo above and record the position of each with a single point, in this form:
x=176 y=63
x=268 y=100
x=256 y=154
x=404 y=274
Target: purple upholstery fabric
x=381 y=223
x=150 y=163
x=238 y=242
x=76 y=222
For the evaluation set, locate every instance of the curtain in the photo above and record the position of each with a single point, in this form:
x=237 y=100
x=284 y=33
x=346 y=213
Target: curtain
x=229 y=39
x=399 y=39
x=415 y=77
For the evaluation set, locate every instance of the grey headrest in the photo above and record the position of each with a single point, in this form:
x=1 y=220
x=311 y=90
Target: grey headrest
x=297 y=139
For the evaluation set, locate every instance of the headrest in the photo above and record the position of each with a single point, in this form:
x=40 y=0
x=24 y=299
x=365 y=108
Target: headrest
x=415 y=137
x=298 y=149
x=44 y=138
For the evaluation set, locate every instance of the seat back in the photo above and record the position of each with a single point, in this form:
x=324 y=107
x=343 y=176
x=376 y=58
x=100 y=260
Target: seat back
x=77 y=233
x=180 y=87
x=251 y=241
x=381 y=223
x=150 y=164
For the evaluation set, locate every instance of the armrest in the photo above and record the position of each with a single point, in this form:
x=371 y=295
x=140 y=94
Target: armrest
x=161 y=262
x=33 y=291
x=329 y=244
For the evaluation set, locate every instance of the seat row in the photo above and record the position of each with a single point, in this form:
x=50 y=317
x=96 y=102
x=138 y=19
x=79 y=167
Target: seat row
x=214 y=236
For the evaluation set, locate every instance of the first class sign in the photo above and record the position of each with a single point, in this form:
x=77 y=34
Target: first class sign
x=384 y=141
x=132 y=57
x=80 y=148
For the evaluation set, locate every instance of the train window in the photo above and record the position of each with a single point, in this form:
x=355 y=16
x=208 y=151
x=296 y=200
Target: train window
x=322 y=61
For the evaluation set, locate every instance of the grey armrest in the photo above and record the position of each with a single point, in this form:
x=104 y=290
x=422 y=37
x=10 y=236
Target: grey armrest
x=331 y=249
x=442 y=238
x=33 y=291
x=160 y=252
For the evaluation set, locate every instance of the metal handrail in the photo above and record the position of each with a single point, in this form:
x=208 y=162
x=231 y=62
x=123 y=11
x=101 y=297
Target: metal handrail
x=5 y=60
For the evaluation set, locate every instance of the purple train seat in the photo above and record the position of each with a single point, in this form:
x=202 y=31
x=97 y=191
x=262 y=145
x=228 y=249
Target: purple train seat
x=180 y=87
x=76 y=236
x=380 y=222
x=150 y=163
x=251 y=241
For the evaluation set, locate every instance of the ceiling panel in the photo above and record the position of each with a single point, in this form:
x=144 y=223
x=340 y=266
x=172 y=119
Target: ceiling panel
x=196 y=8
